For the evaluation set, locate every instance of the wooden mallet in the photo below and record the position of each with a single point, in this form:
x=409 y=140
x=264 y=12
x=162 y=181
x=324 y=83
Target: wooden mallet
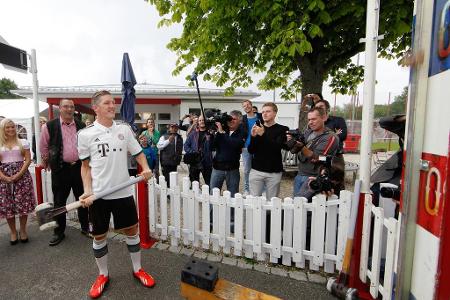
x=45 y=213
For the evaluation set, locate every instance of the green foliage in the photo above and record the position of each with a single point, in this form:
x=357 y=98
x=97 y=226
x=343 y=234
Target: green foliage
x=6 y=85
x=400 y=101
x=295 y=44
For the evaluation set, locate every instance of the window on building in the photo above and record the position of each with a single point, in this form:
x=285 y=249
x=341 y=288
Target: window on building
x=164 y=116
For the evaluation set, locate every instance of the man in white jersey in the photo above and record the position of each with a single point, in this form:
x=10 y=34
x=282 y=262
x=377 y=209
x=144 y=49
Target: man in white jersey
x=103 y=148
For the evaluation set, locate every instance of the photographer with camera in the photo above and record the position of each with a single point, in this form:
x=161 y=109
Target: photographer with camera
x=188 y=122
x=338 y=125
x=317 y=140
x=327 y=182
x=198 y=148
x=228 y=145
x=170 y=148
x=266 y=142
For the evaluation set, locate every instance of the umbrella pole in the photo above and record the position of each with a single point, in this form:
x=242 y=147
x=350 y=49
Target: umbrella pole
x=194 y=78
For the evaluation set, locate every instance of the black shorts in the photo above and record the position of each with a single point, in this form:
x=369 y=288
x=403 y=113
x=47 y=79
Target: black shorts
x=122 y=209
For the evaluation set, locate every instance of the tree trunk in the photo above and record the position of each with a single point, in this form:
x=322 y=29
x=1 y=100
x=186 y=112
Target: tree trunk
x=312 y=77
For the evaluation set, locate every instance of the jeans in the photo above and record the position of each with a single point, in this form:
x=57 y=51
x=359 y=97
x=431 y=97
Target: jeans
x=298 y=182
x=231 y=178
x=247 y=160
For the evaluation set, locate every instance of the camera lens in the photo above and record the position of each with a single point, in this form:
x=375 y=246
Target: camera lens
x=315 y=185
x=388 y=192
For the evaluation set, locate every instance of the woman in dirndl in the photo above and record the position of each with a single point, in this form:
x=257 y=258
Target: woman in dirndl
x=16 y=185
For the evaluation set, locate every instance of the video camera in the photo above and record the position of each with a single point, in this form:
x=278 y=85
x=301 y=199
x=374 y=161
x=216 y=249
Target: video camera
x=212 y=116
x=323 y=182
x=389 y=192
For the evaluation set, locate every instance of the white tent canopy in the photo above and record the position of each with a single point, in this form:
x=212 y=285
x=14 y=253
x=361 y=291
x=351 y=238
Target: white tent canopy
x=19 y=108
x=21 y=111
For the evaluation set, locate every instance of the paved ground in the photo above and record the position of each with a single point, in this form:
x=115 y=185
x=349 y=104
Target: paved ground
x=37 y=271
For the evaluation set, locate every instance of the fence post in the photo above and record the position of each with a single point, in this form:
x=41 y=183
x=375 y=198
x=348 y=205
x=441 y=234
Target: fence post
x=330 y=233
x=38 y=176
x=257 y=221
x=205 y=217
x=238 y=224
x=152 y=204
x=227 y=201
x=175 y=209
x=186 y=199
x=318 y=231
x=300 y=229
x=214 y=208
x=197 y=216
x=144 y=234
x=287 y=231
x=388 y=281
x=163 y=203
x=275 y=230
x=376 y=251
x=248 y=227
x=365 y=239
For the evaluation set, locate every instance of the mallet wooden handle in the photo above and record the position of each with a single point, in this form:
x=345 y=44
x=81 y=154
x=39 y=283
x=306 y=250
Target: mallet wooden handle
x=116 y=188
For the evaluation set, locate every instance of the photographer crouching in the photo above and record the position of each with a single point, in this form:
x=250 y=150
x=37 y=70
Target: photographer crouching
x=317 y=140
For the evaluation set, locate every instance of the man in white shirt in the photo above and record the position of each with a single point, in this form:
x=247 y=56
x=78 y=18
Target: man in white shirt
x=103 y=148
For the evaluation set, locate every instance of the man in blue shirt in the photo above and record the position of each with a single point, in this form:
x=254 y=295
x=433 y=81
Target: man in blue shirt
x=248 y=121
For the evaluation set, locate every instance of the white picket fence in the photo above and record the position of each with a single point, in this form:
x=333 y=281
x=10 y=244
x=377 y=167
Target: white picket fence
x=384 y=240
x=182 y=214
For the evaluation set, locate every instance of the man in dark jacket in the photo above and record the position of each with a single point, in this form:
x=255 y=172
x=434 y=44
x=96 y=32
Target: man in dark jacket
x=170 y=146
x=58 y=145
x=228 y=146
x=198 y=146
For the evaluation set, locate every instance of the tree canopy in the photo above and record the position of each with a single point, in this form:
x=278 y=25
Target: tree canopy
x=6 y=85
x=295 y=44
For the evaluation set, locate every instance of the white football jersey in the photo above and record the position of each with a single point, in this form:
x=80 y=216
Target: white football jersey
x=106 y=148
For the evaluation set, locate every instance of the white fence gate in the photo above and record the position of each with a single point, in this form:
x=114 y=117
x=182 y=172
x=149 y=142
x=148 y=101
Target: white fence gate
x=384 y=241
x=182 y=214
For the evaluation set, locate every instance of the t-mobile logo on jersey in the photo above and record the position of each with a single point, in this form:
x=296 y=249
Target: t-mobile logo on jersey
x=103 y=149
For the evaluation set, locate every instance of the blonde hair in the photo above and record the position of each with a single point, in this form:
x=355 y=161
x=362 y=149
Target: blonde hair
x=97 y=95
x=17 y=142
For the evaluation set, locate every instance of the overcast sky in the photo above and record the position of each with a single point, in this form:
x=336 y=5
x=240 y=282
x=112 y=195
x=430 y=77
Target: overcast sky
x=81 y=42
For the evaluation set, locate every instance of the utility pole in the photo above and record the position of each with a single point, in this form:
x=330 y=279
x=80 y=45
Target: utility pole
x=371 y=41
x=37 y=125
